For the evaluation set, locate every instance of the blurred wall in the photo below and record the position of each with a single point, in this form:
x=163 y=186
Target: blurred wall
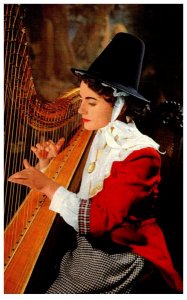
x=62 y=36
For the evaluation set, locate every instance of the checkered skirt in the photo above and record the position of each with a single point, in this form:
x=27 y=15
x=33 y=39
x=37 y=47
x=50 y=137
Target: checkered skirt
x=89 y=270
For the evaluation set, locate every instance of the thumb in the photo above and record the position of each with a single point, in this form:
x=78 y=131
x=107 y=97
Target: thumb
x=60 y=143
x=26 y=164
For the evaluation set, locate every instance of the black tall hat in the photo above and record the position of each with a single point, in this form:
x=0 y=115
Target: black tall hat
x=119 y=65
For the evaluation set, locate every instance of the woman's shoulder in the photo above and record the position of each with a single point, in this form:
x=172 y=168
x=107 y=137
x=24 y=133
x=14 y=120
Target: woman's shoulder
x=143 y=157
x=147 y=152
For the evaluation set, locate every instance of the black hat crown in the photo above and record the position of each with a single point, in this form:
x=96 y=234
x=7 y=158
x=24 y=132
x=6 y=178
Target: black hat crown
x=120 y=64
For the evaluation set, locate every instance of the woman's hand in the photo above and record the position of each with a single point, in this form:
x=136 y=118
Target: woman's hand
x=46 y=150
x=34 y=179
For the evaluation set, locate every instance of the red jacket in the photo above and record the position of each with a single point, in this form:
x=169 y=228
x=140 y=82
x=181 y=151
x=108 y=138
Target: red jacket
x=124 y=209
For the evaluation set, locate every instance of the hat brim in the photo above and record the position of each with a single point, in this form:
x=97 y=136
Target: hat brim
x=129 y=90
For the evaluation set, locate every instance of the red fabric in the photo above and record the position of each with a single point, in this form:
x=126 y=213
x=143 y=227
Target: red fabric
x=131 y=181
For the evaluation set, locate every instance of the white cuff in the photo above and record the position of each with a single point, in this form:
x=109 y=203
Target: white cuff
x=67 y=205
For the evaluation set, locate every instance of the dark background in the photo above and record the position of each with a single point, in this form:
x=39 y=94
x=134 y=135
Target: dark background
x=62 y=36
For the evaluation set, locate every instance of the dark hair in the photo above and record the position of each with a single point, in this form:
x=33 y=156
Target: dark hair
x=96 y=86
x=135 y=108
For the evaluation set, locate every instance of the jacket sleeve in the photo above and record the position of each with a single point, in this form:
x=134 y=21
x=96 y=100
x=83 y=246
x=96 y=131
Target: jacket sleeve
x=130 y=181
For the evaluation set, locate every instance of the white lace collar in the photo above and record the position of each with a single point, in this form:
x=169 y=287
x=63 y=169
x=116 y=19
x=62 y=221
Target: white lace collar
x=112 y=143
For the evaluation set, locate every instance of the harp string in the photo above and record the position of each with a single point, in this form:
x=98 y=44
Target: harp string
x=17 y=126
x=17 y=90
x=27 y=118
x=11 y=71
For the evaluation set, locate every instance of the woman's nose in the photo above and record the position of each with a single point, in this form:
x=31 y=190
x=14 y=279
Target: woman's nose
x=82 y=108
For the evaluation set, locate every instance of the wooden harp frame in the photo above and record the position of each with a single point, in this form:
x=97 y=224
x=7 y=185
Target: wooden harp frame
x=25 y=236
x=22 y=261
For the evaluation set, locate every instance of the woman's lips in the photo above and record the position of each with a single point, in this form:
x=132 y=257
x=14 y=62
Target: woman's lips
x=86 y=120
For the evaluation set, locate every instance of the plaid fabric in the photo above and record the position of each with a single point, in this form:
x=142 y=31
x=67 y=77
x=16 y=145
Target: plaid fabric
x=84 y=216
x=89 y=270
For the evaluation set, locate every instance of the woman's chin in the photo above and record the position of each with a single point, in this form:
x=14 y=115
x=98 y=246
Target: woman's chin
x=88 y=127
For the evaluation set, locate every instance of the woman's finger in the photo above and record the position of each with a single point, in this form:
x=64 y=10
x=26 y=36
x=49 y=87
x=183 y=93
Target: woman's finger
x=52 y=151
x=26 y=164
x=60 y=143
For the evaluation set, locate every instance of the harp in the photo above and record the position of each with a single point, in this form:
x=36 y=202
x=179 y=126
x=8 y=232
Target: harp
x=27 y=119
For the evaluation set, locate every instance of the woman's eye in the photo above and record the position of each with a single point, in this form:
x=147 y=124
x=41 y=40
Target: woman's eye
x=92 y=103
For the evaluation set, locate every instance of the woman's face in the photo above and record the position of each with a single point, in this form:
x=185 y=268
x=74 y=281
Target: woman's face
x=96 y=112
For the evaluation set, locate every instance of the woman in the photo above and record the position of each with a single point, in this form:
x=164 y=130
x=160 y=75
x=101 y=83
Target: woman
x=120 y=247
